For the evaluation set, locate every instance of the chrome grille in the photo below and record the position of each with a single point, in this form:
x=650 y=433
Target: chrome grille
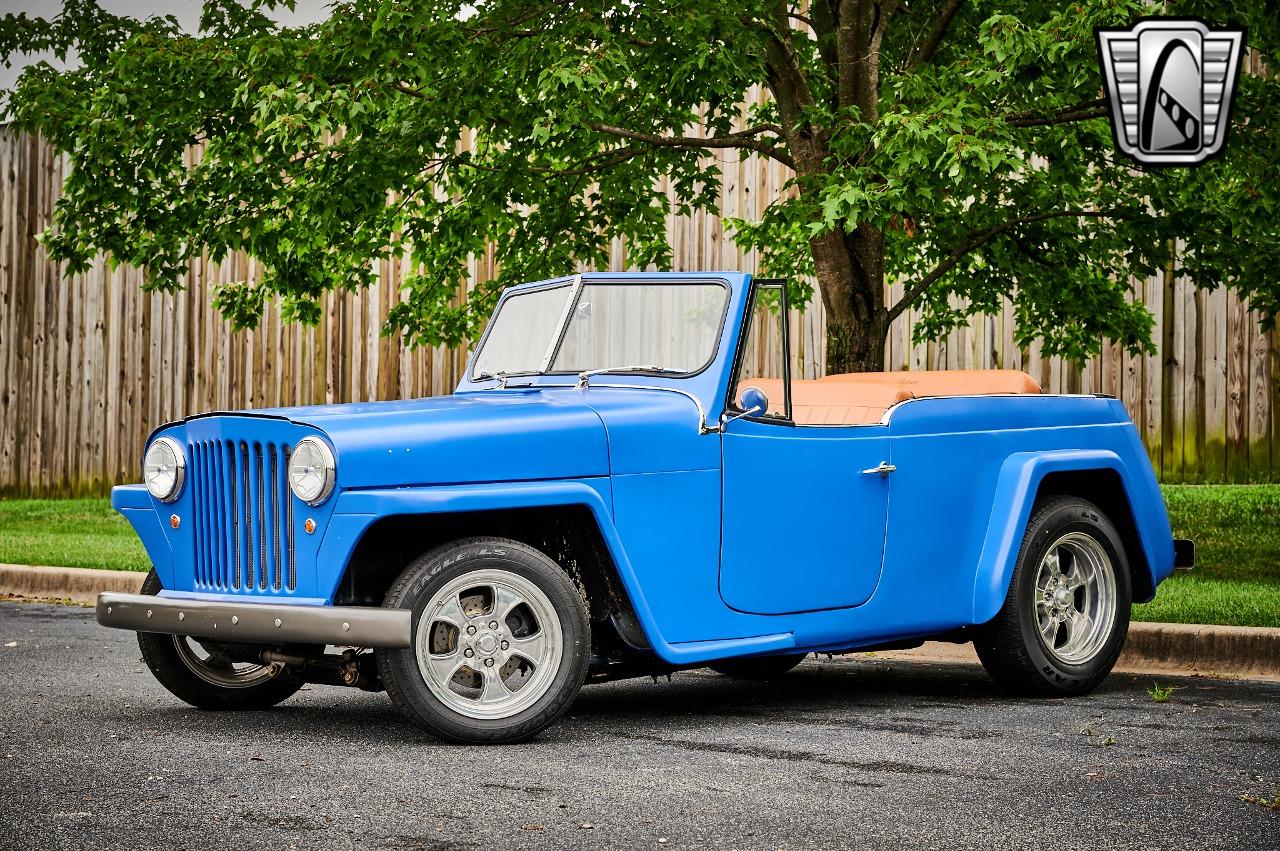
x=243 y=516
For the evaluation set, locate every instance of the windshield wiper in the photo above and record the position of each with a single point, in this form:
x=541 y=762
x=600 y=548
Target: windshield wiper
x=584 y=377
x=500 y=376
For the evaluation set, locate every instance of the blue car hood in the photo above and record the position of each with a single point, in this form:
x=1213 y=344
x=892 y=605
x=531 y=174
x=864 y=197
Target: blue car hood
x=494 y=436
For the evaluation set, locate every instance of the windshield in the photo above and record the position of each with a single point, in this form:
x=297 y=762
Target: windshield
x=671 y=327
x=523 y=332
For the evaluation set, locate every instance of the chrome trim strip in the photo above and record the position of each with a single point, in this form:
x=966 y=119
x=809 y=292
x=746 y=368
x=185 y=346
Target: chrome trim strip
x=569 y=305
x=703 y=428
x=257 y=623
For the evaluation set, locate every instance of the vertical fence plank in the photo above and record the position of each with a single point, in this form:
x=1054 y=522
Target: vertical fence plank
x=1237 y=390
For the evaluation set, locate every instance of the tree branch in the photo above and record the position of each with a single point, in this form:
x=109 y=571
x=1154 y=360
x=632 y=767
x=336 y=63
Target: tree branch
x=933 y=41
x=743 y=139
x=847 y=51
x=1080 y=112
x=786 y=80
x=977 y=239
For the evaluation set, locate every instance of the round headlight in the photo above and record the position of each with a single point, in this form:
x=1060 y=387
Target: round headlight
x=312 y=470
x=164 y=468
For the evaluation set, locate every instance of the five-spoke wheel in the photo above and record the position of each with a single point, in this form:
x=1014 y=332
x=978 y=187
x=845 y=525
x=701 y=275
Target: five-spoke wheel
x=489 y=643
x=1066 y=615
x=501 y=641
x=1075 y=597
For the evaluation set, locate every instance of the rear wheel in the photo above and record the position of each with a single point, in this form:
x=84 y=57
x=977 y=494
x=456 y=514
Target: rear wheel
x=501 y=642
x=758 y=667
x=1066 y=617
x=203 y=675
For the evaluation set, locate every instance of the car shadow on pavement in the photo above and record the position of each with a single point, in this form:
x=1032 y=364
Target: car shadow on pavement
x=876 y=696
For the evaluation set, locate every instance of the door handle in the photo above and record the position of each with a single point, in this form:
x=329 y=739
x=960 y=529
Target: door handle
x=883 y=470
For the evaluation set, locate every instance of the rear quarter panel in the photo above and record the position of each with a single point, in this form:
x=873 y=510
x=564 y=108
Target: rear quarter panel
x=968 y=472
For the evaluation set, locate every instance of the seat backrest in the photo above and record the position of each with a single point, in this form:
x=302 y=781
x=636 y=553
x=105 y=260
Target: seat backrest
x=947 y=382
x=821 y=403
x=862 y=398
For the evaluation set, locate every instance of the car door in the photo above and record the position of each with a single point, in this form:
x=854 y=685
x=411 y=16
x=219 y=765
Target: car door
x=802 y=524
x=804 y=477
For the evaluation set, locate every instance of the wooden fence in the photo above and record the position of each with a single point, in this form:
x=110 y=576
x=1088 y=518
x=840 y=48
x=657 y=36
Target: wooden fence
x=89 y=364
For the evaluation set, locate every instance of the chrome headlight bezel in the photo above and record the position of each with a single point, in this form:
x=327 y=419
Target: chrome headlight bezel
x=176 y=465
x=316 y=457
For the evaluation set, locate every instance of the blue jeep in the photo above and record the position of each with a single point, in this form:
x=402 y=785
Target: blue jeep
x=629 y=481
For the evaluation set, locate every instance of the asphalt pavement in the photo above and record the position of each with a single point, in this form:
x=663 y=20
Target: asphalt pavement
x=870 y=754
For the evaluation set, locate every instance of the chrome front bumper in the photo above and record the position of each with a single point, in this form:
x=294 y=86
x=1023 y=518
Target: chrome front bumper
x=257 y=623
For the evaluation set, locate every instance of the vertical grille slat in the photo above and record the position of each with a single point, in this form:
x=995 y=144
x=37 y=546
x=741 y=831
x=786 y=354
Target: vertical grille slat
x=287 y=496
x=242 y=516
x=233 y=514
x=261 y=518
x=194 y=456
x=208 y=516
x=274 y=480
x=212 y=516
x=247 y=549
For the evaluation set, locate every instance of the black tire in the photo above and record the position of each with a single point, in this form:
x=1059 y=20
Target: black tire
x=758 y=667
x=166 y=661
x=448 y=566
x=1012 y=646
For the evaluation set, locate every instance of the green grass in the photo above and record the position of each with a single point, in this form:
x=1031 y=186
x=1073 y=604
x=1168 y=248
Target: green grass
x=68 y=533
x=1236 y=529
x=1236 y=580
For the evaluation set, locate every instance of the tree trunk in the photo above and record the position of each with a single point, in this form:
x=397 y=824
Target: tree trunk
x=854 y=346
x=851 y=282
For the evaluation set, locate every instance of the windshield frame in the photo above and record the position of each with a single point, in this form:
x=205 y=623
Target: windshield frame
x=579 y=283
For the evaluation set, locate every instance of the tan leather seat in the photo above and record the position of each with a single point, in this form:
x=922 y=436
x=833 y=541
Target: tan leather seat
x=947 y=382
x=862 y=398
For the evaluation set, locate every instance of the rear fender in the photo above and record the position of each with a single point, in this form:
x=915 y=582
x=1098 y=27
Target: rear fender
x=1015 y=495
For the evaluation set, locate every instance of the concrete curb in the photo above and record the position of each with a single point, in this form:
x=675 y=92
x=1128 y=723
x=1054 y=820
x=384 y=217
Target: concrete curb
x=1167 y=648
x=77 y=584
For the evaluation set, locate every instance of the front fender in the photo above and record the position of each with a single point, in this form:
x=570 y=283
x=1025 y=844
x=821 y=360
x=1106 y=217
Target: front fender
x=356 y=511
x=1015 y=496
x=136 y=505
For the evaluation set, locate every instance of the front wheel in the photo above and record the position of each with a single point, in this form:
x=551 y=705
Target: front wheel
x=1066 y=616
x=203 y=675
x=501 y=642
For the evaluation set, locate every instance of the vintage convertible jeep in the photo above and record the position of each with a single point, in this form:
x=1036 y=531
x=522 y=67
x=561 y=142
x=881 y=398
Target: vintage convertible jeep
x=630 y=481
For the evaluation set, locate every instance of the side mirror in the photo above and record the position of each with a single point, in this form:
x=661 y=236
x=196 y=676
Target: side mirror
x=754 y=402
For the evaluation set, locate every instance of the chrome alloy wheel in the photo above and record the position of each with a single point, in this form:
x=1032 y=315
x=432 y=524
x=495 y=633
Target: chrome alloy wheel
x=489 y=644
x=1075 y=598
x=215 y=669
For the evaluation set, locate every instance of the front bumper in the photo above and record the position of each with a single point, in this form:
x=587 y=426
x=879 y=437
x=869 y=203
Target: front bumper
x=257 y=623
